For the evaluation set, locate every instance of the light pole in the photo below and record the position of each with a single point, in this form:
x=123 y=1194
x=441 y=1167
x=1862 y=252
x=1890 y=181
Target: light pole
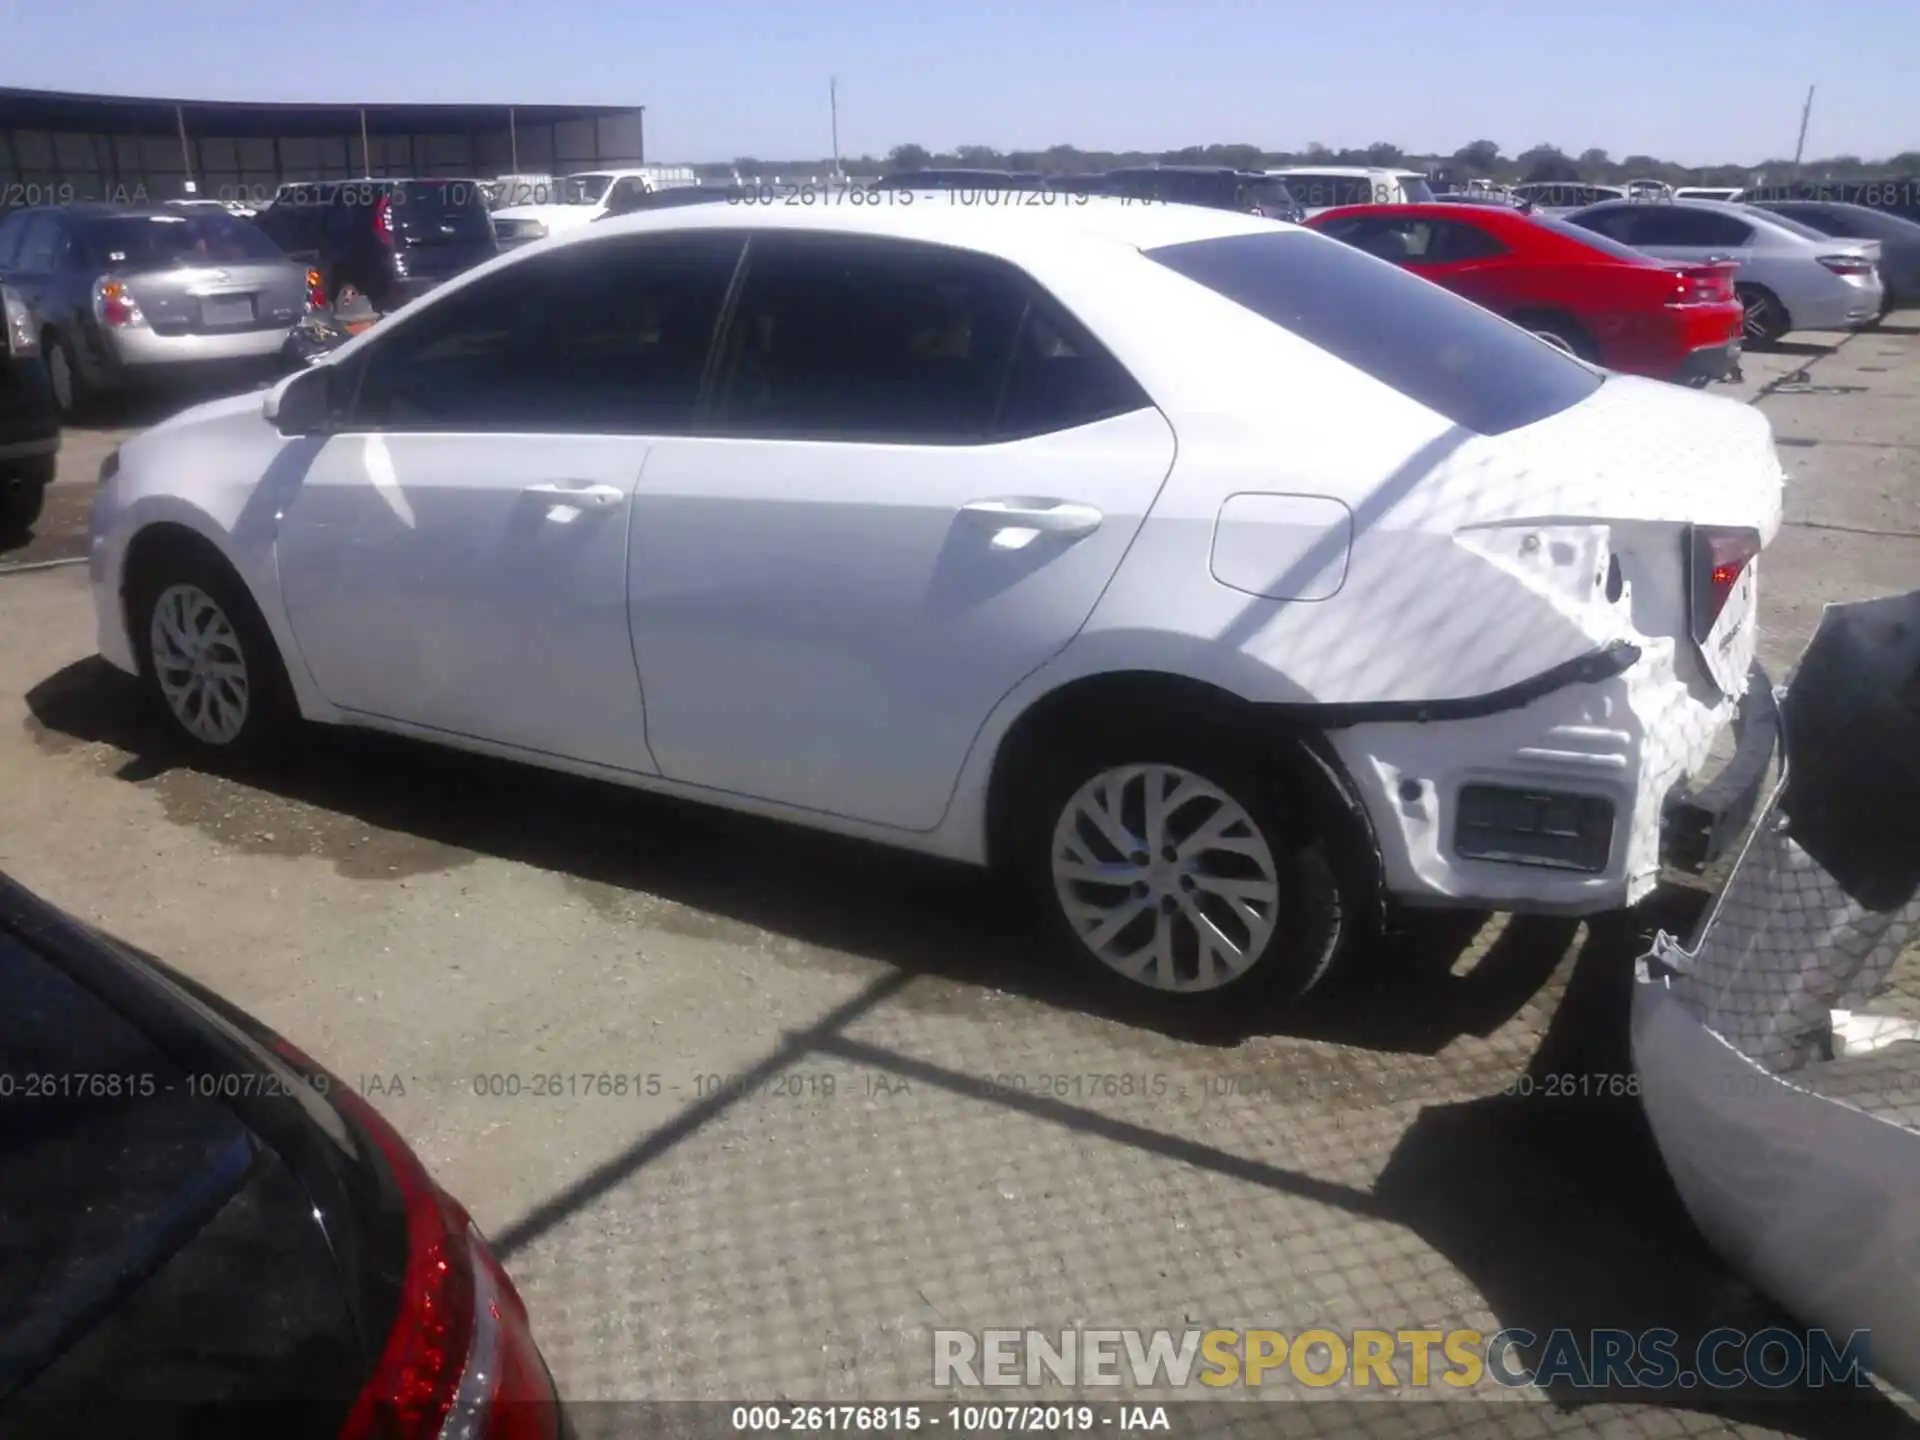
x=833 y=109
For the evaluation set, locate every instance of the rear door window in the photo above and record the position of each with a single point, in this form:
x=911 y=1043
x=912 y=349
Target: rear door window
x=1674 y=226
x=1446 y=353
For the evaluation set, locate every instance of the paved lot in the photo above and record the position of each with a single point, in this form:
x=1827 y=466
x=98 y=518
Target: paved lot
x=936 y=1133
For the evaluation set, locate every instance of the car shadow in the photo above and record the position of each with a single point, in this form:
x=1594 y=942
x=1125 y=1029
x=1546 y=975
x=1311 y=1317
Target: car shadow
x=923 y=916
x=1797 y=347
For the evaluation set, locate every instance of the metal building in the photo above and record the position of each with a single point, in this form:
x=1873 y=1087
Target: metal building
x=57 y=148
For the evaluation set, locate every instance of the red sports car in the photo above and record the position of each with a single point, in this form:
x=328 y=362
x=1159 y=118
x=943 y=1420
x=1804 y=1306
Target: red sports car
x=1606 y=303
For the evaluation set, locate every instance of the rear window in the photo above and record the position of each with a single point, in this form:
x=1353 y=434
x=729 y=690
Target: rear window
x=1418 y=192
x=1445 y=353
x=1324 y=191
x=199 y=238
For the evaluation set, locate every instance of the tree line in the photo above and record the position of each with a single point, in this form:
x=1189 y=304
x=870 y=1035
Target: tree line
x=1482 y=158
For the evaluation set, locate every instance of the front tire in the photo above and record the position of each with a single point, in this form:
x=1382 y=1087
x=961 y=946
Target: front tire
x=22 y=497
x=1176 y=869
x=207 y=659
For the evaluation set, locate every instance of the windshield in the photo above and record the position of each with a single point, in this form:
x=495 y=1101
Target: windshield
x=1592 y=239
x=582 y=189
x=1439 y=350
x=1270 y=195
x=197 y=238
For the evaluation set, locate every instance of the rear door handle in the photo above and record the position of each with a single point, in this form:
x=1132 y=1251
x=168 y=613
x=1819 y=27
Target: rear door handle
x=1052 y=517
x=577 y=494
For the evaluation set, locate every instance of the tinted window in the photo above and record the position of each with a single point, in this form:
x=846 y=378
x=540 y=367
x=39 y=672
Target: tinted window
x=1416 y=242
x=11 y=230
x=1826 y=222
x=841 y=339
x=1417 y=190
x=155 y=242
x=1323 y=191
x=1432 y=346
x=1616 y=222
x=610 y=337
x=1593 y=239
x=1799 y=227
x=1678 y=225
x=42 y=247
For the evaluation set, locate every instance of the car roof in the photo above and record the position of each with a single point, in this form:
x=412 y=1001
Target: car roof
x=1356 y=171
x=932 y=216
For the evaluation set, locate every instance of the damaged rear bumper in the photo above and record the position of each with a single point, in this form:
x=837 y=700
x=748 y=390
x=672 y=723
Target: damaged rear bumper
x=1778 y=1050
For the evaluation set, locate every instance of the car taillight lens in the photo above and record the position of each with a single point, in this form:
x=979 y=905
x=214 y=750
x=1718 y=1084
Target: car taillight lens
x=1711 y=286
x=1716 y=561
x=383 y=219
x=114 y=305
x=316 y=291
x=1847 y=264
x=22 y=338
x=460 y=1345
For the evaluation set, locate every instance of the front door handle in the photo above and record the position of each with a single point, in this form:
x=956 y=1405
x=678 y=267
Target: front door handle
x=1051 y=517
x=577 y=494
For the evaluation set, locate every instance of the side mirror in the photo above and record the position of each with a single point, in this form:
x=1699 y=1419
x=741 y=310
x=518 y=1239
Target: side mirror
x=303 y=404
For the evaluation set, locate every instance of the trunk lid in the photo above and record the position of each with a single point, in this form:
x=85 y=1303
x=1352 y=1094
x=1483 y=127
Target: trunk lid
x=218 y=300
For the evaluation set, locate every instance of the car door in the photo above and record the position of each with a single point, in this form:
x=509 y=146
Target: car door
x=1466 y=260
x=455 y=555
x=919 y=474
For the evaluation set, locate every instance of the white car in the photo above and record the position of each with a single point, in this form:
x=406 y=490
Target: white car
x=1223 y=578
x=1325 y=187
x=572 y=201
x=1791 y=276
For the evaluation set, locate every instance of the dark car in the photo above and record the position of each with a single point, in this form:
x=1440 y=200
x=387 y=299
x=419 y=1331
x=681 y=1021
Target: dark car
x=296 y=217
x=129 y=297
x=1215 y=187
x=208 y=1234
x=1899 y=239
x=29 y=420
x=394 y=240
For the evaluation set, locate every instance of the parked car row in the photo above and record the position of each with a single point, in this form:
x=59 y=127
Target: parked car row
x=121 y=297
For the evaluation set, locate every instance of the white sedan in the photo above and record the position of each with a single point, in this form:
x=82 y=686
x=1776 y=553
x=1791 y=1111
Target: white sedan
x=1228 y=581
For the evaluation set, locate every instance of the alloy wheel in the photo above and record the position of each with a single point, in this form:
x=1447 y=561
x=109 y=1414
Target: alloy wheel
x=1165 y=878
x=200 y=666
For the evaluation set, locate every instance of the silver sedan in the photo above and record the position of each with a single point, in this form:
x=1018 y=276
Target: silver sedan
x=1790 y=277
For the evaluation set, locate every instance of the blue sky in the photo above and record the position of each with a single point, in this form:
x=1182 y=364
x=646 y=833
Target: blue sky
x=1698 y=83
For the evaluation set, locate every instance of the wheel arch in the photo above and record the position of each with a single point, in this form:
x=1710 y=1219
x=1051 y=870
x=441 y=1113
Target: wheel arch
x=1292 y=744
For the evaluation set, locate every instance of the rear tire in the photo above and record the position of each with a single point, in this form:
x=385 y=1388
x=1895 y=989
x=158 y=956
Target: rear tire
x=1220 y=891
x=73 y=396
x=1563 y=333
x=207 y=659
x=1765 y=319
x=21 y=501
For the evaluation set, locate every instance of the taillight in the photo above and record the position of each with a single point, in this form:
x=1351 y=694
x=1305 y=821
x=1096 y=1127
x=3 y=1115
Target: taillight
x=316 y=291
x=22 y=338
x=1716 y=561
x=114 y=305
x=460 y=1355
x=1848 y=264
x=1707 y=286
x=383 y=219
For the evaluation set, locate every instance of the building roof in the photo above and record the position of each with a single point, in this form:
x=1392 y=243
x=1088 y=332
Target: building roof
x=56 y=110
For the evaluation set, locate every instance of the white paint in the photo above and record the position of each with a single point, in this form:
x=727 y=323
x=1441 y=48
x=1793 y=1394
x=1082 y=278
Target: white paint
x=843 y=634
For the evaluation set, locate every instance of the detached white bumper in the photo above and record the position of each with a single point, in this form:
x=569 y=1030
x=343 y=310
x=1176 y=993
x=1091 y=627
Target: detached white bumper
x=1563 y=804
